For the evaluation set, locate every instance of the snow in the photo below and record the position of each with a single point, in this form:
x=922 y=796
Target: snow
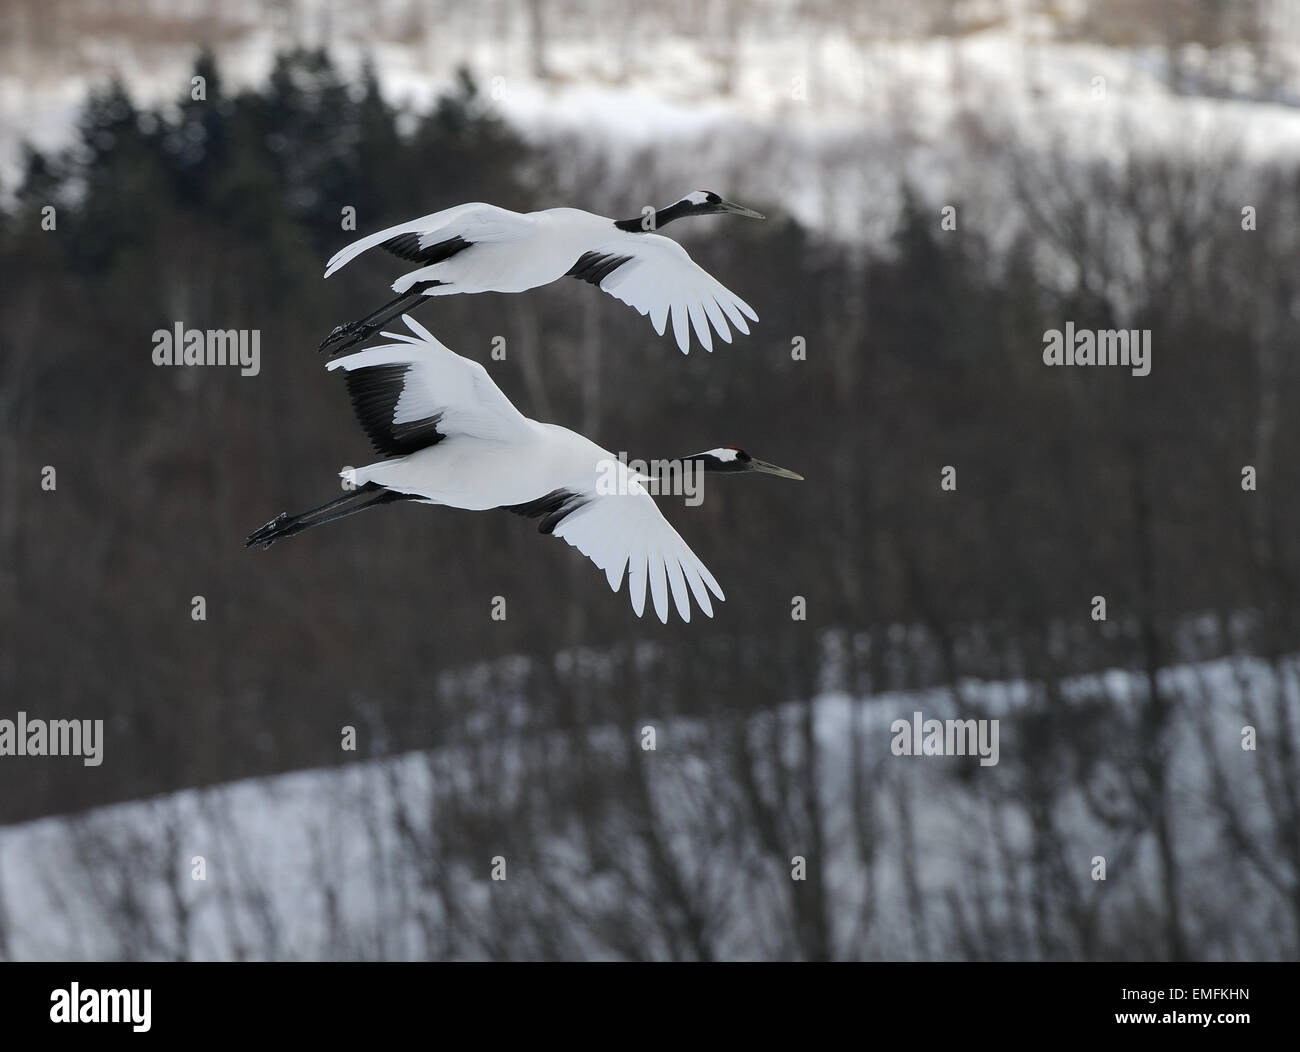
x=363 y=860
x=835 y=118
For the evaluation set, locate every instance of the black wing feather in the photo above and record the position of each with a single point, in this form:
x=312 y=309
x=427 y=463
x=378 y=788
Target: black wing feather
x=375 y=391
x=552 y=508
x=407 y=246
x=595 y=267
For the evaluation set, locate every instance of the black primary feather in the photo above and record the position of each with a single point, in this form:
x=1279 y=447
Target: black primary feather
x=407 y=246
x=375 y=391
x=595 y=267
x=552 y=508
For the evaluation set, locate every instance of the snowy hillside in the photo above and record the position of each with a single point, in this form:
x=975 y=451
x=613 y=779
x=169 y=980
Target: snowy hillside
x=837 y=106
x=367 y=861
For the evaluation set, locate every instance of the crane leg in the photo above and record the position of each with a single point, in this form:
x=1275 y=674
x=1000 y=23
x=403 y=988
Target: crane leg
x=285 y=525
x=355 y=332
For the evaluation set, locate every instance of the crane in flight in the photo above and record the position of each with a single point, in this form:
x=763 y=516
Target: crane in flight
x=453 y=438
x=482 y=248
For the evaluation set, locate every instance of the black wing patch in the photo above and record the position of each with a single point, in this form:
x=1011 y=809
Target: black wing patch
x=595 y=267
x=374 y=392
x=552 y=508
x=407 y=246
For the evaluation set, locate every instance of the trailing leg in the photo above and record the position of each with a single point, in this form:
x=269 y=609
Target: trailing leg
x=358 y=331
x=286 y=525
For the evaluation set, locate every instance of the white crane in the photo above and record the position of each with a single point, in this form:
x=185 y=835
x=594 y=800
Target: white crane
x=455 y=439
x=482 y=248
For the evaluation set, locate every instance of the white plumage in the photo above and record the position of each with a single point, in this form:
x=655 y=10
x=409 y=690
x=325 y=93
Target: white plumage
x=482 y=248
x=475 y=450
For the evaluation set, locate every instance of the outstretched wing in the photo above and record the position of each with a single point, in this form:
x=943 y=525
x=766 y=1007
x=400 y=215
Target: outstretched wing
x=414 y=393
x=440 y=235
x=623 y=530
x=656 y=276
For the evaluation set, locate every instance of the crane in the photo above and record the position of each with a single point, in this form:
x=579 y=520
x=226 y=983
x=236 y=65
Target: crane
x=451 y=437
x=482 y=248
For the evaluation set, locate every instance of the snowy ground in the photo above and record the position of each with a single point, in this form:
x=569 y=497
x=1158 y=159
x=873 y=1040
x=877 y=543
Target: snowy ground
x=363 y=861
x=835 y=113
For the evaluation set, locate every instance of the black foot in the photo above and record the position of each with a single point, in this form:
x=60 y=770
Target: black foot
x=350 y=334
x=270 y=533
x=338 y=333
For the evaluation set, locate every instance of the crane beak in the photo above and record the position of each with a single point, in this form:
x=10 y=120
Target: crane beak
x=739 y=210
x=771 y=469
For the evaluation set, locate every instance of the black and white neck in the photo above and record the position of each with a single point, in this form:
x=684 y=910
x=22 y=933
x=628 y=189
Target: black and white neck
x=699 y=203
x=729 y=459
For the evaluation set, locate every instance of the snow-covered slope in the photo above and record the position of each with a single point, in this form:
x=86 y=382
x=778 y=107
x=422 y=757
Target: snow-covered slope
x=377 y=860
x=835 y=108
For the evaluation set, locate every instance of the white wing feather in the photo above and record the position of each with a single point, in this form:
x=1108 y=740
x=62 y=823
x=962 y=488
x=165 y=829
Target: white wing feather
x=627 y=532
x=475 y=222
x=661 y=279
x=441 y=383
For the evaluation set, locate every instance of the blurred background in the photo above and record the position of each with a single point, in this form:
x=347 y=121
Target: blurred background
x=1110 y=164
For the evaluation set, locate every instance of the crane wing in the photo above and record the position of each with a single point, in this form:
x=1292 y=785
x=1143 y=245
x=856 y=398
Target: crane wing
x=656 y=276
x=440 y=235
x=412 y=394
x=625 y=531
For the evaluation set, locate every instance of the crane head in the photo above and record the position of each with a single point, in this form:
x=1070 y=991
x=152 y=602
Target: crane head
x=706 y=202
x=733 y=459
